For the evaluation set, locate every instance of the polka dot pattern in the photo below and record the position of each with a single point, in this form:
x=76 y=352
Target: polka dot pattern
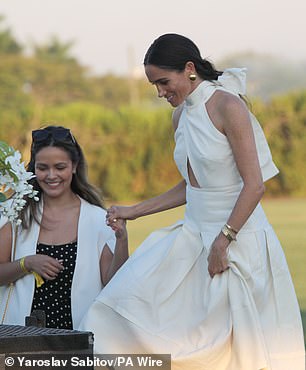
x=54 y=296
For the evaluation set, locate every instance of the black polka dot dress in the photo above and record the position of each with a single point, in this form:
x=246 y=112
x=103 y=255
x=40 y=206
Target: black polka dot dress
x=54 y=296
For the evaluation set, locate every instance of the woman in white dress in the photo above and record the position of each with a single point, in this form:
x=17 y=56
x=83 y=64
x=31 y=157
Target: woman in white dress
x=213 y=290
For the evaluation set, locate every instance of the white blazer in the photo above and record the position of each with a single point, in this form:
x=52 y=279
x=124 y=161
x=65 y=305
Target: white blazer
x=93 y=234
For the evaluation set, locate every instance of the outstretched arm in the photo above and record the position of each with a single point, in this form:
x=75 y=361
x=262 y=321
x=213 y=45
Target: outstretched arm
x=172 y=198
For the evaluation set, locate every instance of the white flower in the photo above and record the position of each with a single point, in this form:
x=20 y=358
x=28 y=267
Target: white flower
x=13 y=179
x=7 y=181
x=13 y=160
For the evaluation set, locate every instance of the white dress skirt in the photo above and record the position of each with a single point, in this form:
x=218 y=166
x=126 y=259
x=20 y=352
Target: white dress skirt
x=163 y=300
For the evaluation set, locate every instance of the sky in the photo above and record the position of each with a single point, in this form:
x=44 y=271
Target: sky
x=112 y=36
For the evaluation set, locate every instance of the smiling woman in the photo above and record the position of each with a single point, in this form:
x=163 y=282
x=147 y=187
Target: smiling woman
x=62 y=238
x=54 y=171
x=214 y=289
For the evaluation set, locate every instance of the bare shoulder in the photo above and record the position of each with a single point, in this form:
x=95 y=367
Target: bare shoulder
x=176 y=116
x=226 y=110
x=227 y=102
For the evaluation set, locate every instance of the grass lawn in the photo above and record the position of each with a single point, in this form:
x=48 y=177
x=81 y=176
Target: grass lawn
x=288 y=217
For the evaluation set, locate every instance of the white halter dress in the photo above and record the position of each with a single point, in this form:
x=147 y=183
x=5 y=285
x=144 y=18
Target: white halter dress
x=163 y=300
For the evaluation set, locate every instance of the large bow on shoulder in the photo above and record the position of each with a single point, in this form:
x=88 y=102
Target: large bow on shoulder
x=234 y=80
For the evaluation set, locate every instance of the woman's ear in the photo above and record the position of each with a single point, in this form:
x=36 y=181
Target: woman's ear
x=189 y=67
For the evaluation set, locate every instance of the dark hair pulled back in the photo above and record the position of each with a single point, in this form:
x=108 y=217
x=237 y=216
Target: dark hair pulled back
x=172 y=51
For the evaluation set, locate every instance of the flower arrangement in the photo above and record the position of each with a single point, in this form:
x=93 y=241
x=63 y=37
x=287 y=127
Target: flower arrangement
x=14 y=185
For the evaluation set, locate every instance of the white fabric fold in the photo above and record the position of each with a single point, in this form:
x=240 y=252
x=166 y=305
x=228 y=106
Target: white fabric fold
x=234 y=80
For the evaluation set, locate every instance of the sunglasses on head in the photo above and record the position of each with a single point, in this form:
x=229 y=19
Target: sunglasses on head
x=57 y=134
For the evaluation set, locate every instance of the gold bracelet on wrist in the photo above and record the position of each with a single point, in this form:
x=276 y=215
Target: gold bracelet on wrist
x=228 y=233
x=22 y=266
x=38 y=279
x=231 y=228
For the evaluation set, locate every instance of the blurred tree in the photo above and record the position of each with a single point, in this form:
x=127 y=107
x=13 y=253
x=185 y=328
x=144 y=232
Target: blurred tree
x=8 y=44
x=129 y=142
x=55 y=50
x=113 y=91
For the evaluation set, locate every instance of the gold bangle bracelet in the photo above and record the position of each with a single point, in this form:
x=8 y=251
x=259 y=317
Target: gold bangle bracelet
x=229 y=234
x=231 y=228
x=22 y=266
